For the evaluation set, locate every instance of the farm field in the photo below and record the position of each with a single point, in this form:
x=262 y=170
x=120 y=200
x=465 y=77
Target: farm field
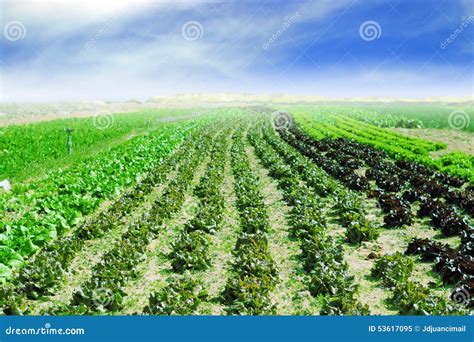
x=437 y=116
x=306 y=210
x=46 y=142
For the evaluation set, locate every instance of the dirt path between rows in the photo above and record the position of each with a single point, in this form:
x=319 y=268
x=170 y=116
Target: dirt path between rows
x=290 y=295
x=222 y=244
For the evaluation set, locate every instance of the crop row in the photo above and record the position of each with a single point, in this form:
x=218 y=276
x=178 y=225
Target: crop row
x=41 y=276
x=348 y=204
x=335 y=126
x=30 y=149
x=344 y=168
x=408 y=296
x=455 y=267
x=343 y=158
x=103 y=291
x=408 y=116
x=398 y=211
x=322 y=258
x=190 y=251
x=414 y=145
x=412 y=149
x=54 y=205
x=254 y=274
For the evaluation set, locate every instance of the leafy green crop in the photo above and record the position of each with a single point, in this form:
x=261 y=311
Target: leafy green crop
x=322 y=257
x=323 y=185
x=48 y=208
x=412 y=298
x=393 y=269
x=190 y=251
x=253 y=277
x=28 y=151
x=408 y=116
x=181 y=297
x=321 y=122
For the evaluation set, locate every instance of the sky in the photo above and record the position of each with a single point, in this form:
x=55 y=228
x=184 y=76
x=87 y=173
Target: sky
x=119 y=50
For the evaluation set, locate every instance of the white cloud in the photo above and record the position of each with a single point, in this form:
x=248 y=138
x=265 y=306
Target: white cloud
x=134 y=59
x=46 y=21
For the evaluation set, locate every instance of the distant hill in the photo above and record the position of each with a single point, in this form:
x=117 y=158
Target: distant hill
x=232 y=98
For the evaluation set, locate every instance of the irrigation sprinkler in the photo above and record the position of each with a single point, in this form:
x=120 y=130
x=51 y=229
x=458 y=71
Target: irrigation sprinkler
x=69 y=140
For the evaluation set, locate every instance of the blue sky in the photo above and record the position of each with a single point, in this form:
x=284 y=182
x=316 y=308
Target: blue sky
x=117 y=50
